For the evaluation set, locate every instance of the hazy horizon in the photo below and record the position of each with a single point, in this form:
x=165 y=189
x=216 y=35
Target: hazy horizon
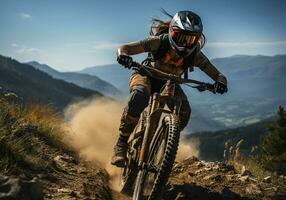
x=115 y=63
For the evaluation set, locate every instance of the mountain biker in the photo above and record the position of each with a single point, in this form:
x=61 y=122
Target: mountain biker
x=174 y=51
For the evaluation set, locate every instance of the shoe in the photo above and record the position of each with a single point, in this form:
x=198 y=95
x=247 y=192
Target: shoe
x=119 y=153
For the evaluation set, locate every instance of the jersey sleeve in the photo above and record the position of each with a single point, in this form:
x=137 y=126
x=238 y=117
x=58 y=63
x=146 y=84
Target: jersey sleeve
x=151 y=44
x=206 y=66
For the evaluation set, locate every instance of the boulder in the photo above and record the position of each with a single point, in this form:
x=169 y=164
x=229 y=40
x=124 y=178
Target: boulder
x=19 y=188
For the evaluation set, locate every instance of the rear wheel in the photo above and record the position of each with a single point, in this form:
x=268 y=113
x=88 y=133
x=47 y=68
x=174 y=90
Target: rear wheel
x=154 y=175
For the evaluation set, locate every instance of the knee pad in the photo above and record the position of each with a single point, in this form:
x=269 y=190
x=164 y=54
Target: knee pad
x=138 y=101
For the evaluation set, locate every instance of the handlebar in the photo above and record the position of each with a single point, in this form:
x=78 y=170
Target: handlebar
x=201 y=86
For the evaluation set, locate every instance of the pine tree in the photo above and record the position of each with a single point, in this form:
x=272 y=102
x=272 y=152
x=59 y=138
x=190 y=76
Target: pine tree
x=274 y=144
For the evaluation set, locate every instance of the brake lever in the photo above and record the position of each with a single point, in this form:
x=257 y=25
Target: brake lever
x=209 y=87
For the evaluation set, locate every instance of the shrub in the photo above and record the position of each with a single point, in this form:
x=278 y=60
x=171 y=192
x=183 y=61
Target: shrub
x=273 y=145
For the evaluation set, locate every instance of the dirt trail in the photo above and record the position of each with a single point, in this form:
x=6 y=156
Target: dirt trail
x=77 y=179
x=190 y=179
x=68 y=177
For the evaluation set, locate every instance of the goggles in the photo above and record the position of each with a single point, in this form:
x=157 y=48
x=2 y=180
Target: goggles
x=184 y=40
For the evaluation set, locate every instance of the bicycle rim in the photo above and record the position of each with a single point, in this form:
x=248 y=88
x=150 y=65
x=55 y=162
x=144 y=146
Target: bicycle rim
x=151 y=181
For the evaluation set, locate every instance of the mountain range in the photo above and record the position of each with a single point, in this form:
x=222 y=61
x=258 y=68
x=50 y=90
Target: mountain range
x=113 y=73
x=36 y=86
x=256 y=88
x=83 y=80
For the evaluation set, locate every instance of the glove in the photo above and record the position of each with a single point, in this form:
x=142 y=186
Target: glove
x=220 y=87
x=125 y=60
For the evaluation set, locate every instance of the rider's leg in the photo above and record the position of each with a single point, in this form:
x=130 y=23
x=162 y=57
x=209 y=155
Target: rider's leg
x=138 y=100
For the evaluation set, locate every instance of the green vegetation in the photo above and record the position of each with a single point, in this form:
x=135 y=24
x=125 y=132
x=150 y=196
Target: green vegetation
x=260 y=146
x=212 y=144
x=273 y=146
x=26 y=134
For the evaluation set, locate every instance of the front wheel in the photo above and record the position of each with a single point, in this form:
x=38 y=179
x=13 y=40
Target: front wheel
x=155 y=173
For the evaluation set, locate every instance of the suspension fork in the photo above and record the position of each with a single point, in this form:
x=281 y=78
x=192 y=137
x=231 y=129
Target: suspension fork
x=177 y=106
x=154 y=104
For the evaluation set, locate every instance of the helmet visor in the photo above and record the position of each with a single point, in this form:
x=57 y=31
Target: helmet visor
x=185 y=40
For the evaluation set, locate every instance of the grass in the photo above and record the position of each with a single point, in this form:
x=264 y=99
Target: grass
x=26 y=132
x=252 y=166
x=256 y=169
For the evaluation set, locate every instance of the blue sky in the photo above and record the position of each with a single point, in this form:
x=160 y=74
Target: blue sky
x=73 y=34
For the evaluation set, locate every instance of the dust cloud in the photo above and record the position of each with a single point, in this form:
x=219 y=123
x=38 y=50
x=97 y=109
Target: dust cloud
x=93 y=126
x=93 y=131
x=187 y=149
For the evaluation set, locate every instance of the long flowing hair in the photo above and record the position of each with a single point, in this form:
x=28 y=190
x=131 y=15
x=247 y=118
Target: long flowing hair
x=159 y=26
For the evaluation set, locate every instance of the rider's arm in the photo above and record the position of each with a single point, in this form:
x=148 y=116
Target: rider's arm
x=130 y=49
x=206 y=66
x=150 y=44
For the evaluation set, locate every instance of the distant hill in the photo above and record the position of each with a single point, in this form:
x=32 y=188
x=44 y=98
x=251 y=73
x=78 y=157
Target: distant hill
x=36 y=86
x=83 y=80
x=246 y=74
x=212 y=143
x=249 y=76
x=113 y=73
x=245 y=66
x=256 y=88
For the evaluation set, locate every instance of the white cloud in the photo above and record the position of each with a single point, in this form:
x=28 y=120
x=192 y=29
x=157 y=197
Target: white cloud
x=22 y=49
x=105 y=45
x=14 y=45
x=26 y=16
x=245 y=44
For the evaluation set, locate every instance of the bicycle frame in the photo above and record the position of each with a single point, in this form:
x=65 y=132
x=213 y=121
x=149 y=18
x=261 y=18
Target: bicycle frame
x=146 y=129
x=156 y=109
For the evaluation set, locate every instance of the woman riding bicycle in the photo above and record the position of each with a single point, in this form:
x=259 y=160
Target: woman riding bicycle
x=173 y=51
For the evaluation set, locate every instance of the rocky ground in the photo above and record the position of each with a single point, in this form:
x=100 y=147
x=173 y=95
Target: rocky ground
x=68 y=178
x=78 y=180
x=195 y=179
x=191 y=179
x=61 y=175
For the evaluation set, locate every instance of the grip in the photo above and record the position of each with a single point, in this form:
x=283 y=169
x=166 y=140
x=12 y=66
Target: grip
x=136 y=64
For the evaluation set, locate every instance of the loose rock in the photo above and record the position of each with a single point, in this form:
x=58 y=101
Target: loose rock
x=245 y=172
x=267 y=179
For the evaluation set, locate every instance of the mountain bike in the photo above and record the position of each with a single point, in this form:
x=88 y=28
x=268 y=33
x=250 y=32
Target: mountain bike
x=154 y=142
